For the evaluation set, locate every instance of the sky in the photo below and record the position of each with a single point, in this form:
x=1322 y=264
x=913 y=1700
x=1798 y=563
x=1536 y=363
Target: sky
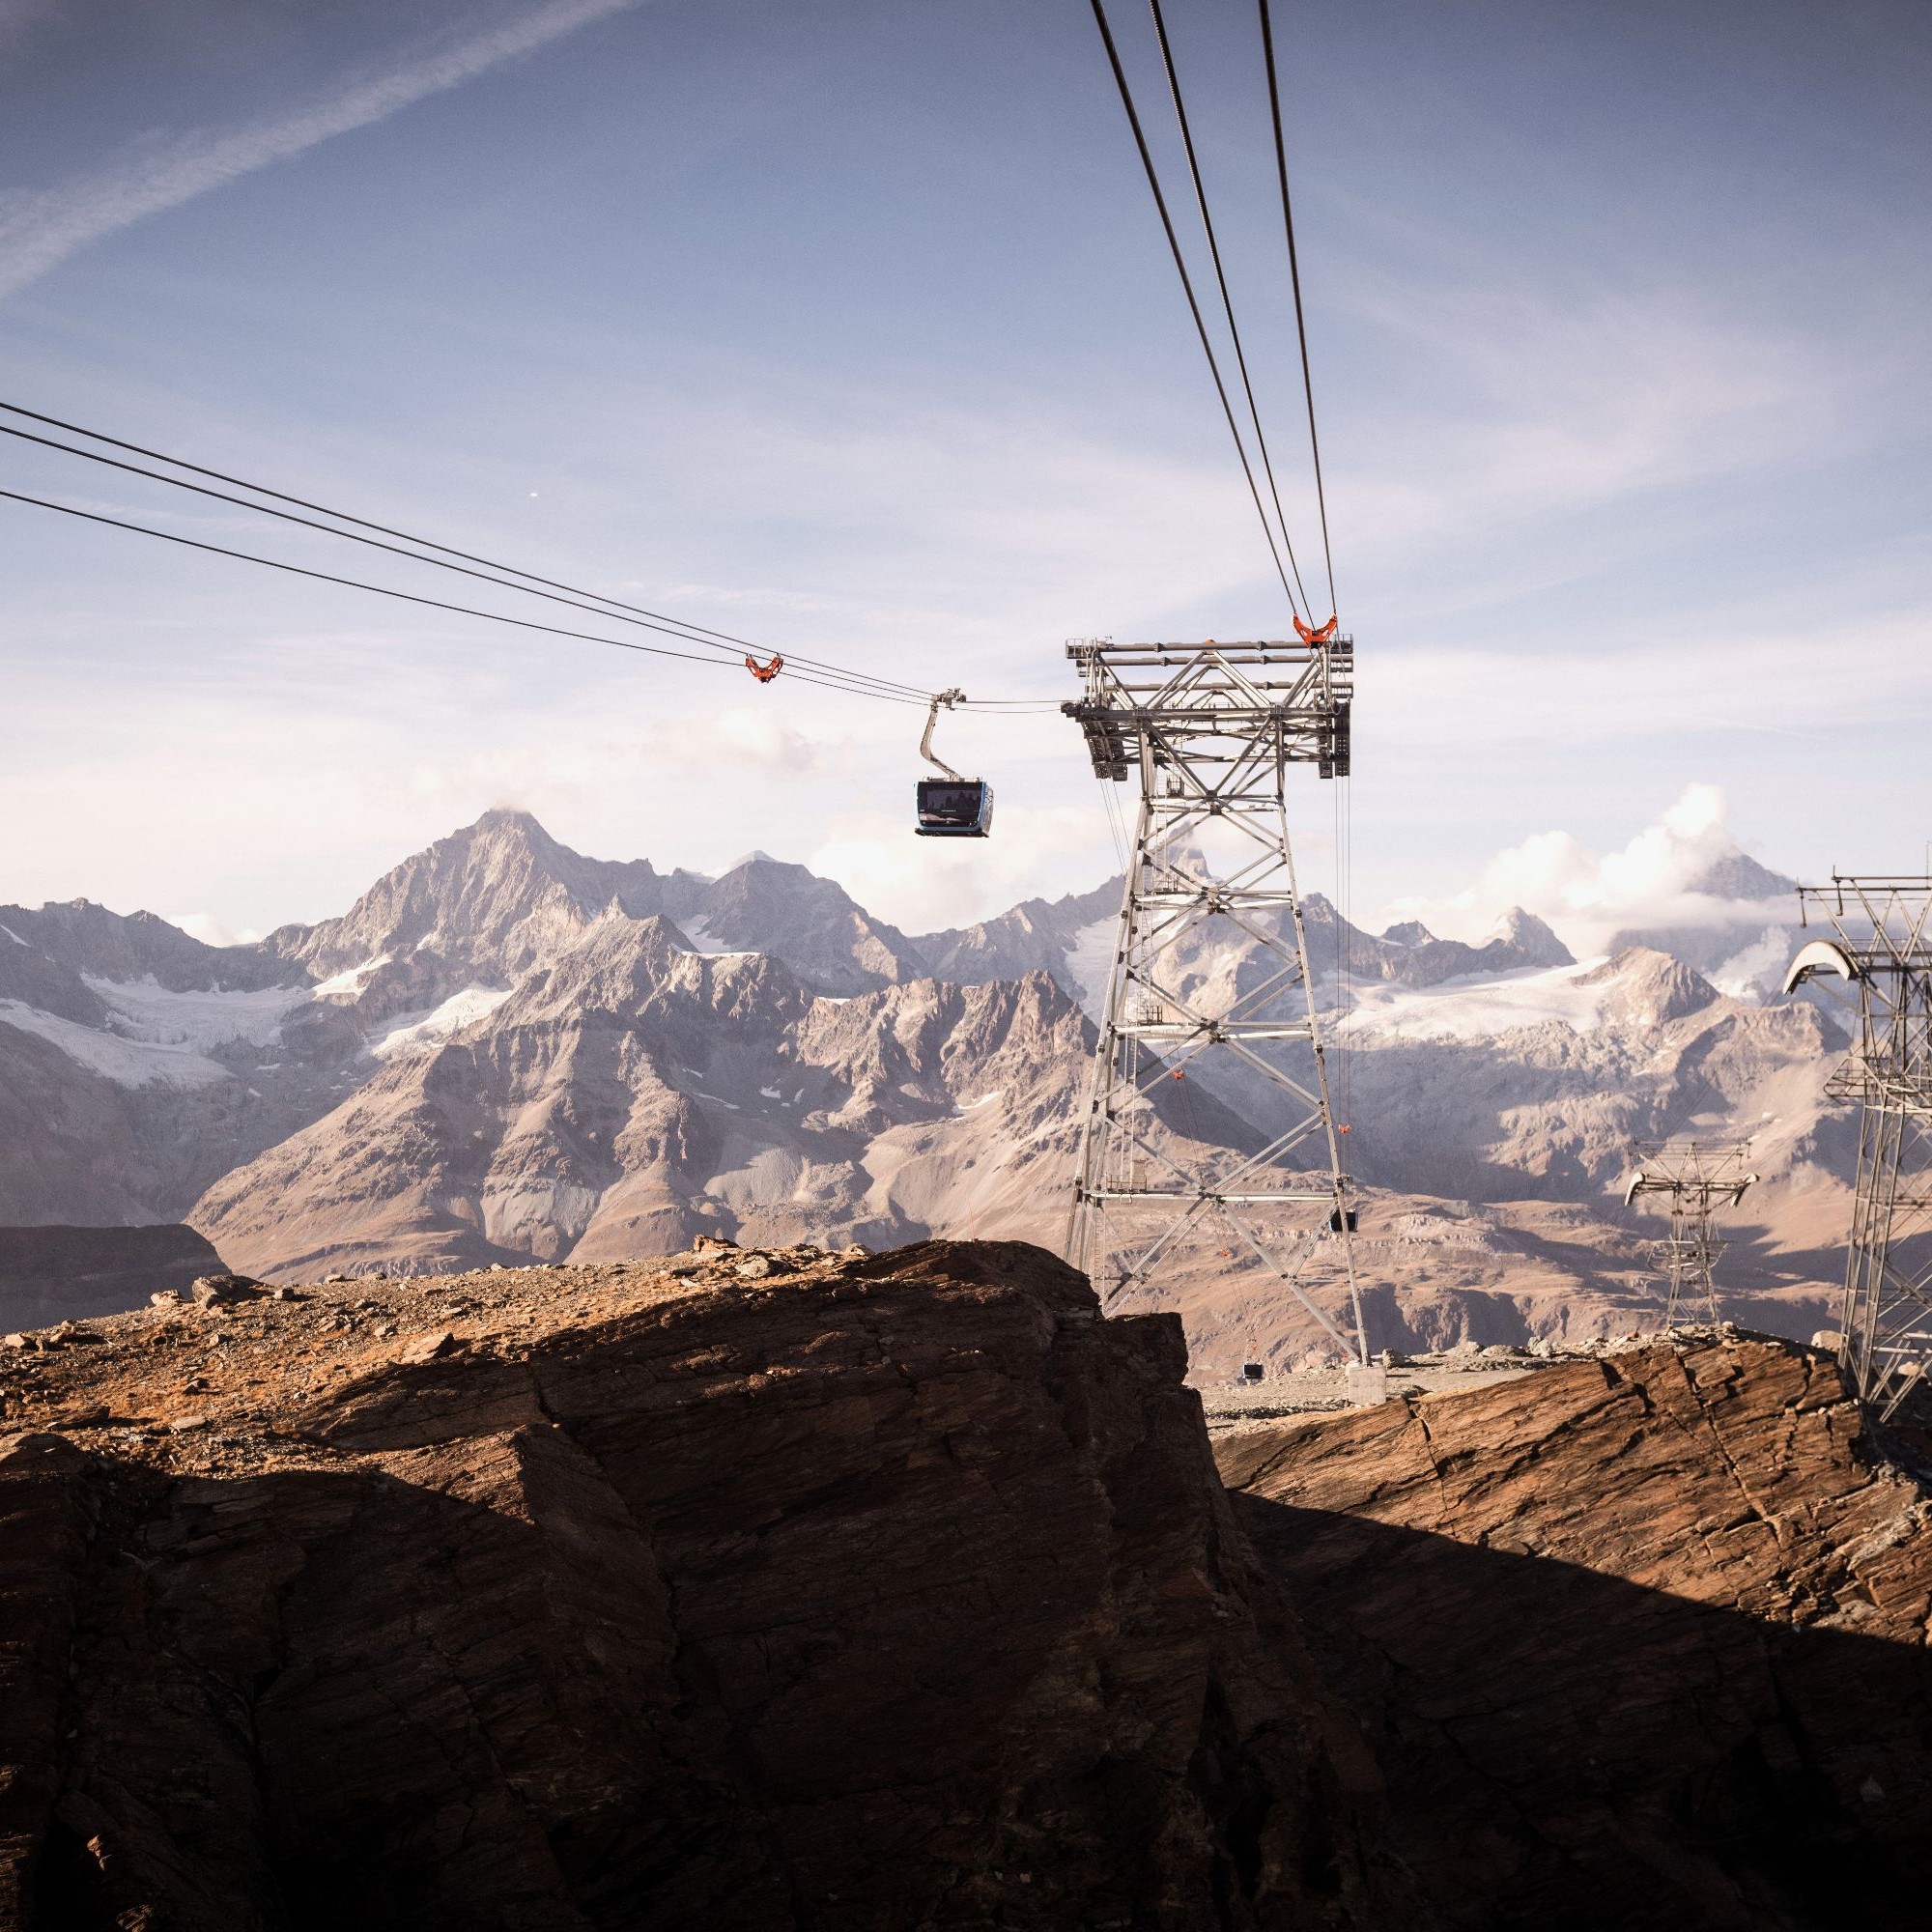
x=847 y=328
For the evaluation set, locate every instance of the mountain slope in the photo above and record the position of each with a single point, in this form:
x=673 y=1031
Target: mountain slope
x=829 y=940
x=507 y=1049
x=137 y=1063
x=1073 y=939
x=161 y=1063
x=636 y=1092
x=1540 y=1082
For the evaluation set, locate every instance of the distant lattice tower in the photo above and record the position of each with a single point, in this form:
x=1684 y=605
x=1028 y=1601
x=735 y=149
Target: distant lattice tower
x=1209 y=733
x=1880 y=946
x=1698 y=1177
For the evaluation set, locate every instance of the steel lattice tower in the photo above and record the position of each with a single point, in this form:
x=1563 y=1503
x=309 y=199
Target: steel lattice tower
x=1881 y=946
x=1210 y=730
x=1699 y=1176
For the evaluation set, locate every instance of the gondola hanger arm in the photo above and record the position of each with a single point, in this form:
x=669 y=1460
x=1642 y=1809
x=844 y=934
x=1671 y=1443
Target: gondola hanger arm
x=947 y=699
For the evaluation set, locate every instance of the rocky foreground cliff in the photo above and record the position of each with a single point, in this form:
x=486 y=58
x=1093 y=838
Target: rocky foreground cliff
x=1639 y=1642
x=783 y=1589
x=749 y=1590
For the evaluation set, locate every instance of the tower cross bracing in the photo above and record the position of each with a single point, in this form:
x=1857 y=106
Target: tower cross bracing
x=1696 y=1178
x=1881 y=947
x=1209 y=733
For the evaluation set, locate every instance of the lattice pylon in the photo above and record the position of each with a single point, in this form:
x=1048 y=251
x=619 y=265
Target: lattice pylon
x=1212 y=743
x=1698 y=1177
x=1880 y=948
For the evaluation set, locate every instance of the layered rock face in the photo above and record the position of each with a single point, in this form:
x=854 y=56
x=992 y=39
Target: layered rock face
x=1640 y=1642
x=781 y=1590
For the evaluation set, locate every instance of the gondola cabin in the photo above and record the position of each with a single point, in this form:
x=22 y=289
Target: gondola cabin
x=954 y=808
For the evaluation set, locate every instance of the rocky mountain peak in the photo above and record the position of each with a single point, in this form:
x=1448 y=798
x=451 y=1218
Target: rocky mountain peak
x=1409 y=932
x=1526 y=935
x=828 y=938
x=77 y=937
x=1736 y=876
x=508 y=821
x=483 y=907
x=1731 y=921
x=1649 y=989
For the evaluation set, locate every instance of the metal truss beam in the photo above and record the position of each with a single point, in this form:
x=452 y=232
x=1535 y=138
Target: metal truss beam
x=1696 y=1178
x=1209 y=731
x=1881 y=948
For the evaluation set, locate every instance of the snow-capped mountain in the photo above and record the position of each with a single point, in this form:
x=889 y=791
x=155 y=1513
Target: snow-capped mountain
x=1735 y=924
x=1072 y=939
x=480 y=909
x=508 y=1049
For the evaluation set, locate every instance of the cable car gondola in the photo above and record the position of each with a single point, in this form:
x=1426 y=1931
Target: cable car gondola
x=951 y=807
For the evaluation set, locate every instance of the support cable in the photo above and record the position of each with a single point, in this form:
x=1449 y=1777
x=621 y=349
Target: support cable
x=1295 y=276
x=1226 y=300
x=646 y=619
x=1187 y=288
x=411 y=597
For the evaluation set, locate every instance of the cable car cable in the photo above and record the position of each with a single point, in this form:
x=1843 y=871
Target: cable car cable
x=838 y=680
x=1226 y=300
x=698 y=632
x=657 y=620
x=1187 y=288
x=836 y=676
x=309 y=523
x=411 y=597
x=1294 y=277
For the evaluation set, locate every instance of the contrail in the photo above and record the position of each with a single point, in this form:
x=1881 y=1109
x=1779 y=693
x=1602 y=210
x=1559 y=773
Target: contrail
x=42 y=229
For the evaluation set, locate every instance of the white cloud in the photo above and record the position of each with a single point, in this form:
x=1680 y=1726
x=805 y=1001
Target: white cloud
x=575 y=753
x=1587 y=896
x=1685 y=678
x=927 y=885
x=40 y=230
x=209 y=930
x=1584 y=398
x=1532 y=399
x=755 y=738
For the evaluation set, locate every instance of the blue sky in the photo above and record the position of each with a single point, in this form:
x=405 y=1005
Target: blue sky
x=849 y=327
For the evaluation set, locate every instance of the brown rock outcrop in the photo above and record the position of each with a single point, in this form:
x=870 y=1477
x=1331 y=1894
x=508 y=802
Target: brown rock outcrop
x=1640 y=1642
x=52 y=1274
x=883 y=1592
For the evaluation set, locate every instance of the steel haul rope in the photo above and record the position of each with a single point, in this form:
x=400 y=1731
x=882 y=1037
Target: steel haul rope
x=1295 y=278
x=618 y=611
x=406 y=596
x=1187 y=288
x=1227 y=302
